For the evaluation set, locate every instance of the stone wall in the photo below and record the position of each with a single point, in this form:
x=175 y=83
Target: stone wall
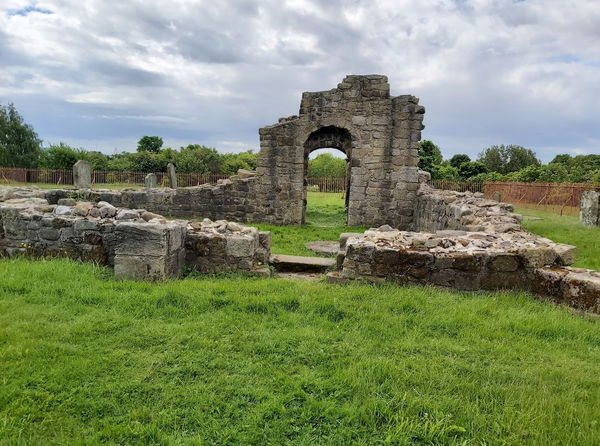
x=378 y=133
x=471 y=261
x=232 y=199
x=444 y=209
x=589 y=213
x=139 y=244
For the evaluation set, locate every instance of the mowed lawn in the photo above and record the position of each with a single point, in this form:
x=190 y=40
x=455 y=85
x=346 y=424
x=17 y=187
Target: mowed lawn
x=567 y=229
x=86 y=359
x=325 y=220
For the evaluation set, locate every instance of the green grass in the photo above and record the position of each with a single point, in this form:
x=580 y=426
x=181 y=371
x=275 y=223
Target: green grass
x=567 y=229
x=237 y=360
x=326 y=220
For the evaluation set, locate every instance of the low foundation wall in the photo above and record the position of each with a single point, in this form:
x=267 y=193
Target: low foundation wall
x=466 y=211
x=470 y=261
x=139 y=244
x=228 y=200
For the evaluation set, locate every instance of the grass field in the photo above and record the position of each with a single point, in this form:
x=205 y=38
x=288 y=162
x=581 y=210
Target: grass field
x=325 y=218
x=567 y=229
x=86 y=359
x=269 y=361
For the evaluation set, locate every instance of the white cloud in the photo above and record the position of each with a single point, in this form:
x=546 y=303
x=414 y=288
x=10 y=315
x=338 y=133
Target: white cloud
x=488 y=71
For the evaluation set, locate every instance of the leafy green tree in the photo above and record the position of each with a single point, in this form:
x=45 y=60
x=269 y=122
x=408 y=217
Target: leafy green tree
x=596 y=178
x=200 y=159
x=19 y=144
x=150 y=144
x=120 y=161
x=249 y=157
x=447 y=172
x=488 y=176
x=506 y=159
x=98 y=160
x=459 y=159
x=327 y=165
x=562 y=159
x=430 y=157
x=553 y=173
x=519 y=157
x=471 y=169
x=59 y=156
x=527 y=175
x=146 y=162
x=232 y=164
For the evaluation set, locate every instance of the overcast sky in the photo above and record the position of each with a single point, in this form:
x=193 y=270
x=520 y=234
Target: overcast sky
x=102 y=73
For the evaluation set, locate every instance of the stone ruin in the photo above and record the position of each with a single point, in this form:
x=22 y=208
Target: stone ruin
x=138 y=244
x=426 y=236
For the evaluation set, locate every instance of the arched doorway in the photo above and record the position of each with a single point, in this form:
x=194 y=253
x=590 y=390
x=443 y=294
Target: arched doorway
x=328 y=138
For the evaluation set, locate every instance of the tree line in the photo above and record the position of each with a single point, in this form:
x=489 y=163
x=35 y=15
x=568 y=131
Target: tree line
x=20 y=146
x=509 y=163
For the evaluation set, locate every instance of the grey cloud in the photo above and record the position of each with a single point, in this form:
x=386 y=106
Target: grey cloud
x=487 y=72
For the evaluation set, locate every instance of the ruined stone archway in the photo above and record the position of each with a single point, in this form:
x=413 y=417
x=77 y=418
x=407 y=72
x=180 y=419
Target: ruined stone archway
x=328 y=137
x=385 y=131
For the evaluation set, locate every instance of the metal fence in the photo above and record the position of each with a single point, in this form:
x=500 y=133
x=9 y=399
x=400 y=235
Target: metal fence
x=48 y=176
x=65 y=177
x=563 y=198
x=459 y=186
x=327 y=184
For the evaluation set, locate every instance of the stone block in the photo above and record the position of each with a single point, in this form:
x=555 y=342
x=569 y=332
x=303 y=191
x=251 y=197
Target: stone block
x=589 y=213
x=82 y=175
x=150 y=181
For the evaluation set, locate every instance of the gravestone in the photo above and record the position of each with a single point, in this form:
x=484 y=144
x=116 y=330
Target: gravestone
x=82 y=175
x=150 y=181
x=589 y=213
x=172 y=176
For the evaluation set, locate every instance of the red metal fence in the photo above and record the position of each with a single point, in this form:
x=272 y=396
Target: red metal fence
x=459 y=186
x=559 y=197
x=65 y=177
x=327 y=184
x=18 y=175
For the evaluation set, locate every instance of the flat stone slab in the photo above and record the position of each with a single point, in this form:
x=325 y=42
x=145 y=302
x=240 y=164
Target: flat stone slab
x=300 y=276
x=323 y=248
x=287 y=263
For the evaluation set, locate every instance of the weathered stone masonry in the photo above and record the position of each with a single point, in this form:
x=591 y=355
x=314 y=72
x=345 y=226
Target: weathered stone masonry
x=138 y=244
x=378 y=133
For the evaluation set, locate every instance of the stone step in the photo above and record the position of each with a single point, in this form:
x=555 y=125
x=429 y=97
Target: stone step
x=287 y=263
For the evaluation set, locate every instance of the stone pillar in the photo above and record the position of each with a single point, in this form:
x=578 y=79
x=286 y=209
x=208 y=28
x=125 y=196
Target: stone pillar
x=82 y=175
x=145 y=251
x=150 y=181
x=589 y=212
x=172 y=176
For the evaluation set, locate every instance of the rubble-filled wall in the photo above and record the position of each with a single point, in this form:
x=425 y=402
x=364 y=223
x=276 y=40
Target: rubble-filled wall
x=445 y=209
x=139 y=244
x=471 y=261
x=589 y=213
x=229 y=200
x=378 y=133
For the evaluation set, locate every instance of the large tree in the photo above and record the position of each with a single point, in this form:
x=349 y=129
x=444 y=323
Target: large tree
x=19 y=144
x=430 y=157
x=150 y=144
x=327 y=165
x=506 y=159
